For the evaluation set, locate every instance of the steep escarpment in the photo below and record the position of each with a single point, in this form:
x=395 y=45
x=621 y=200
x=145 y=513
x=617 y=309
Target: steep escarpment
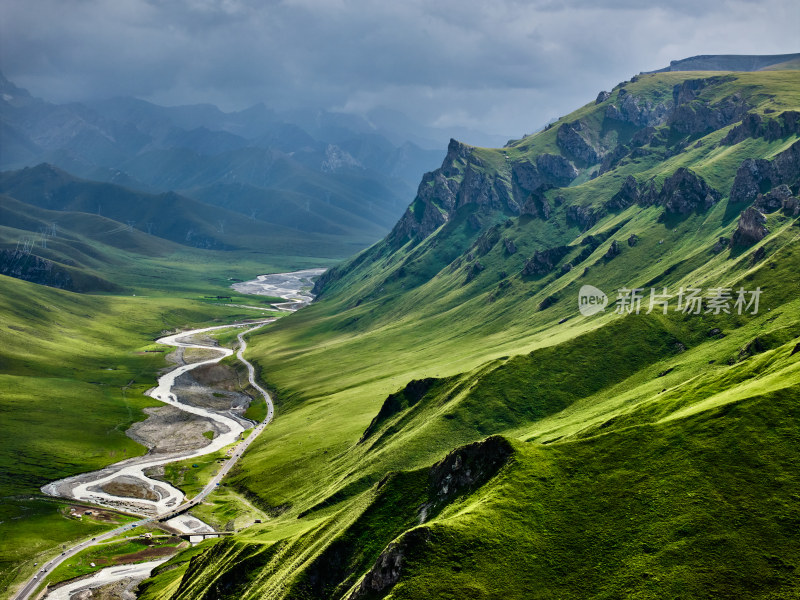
x=639 y=123
x=367 y=544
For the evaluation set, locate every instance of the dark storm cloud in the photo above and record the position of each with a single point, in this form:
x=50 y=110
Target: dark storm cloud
x=504 y=66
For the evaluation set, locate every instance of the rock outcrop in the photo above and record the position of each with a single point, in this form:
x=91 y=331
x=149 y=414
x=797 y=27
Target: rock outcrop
x=574 y=142
x=462 y=471
x=537 y=205
x=628 y=195
x=549 y=170
x=754 y=125
x=685 y=192
x=613 y=250
x=758 y=176
x=774 y=200
x=466 y=469
x=386 y=571
x=637 y=111
x=698 y=117
x=473 y=271
x=462 y=179
x=751 y=228
x=544 y=261
x=583 y=216
x=556 y=169
x=682 y=193
x=437 y=196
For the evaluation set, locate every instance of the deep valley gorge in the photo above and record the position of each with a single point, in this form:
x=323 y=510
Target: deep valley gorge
x=297 y=345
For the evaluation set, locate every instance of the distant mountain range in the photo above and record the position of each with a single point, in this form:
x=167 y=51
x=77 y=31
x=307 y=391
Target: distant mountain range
x=259 y=162
x=305 y=183
x=312 y=171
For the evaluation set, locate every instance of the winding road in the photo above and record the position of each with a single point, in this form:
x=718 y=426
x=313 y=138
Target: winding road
x=170 y=502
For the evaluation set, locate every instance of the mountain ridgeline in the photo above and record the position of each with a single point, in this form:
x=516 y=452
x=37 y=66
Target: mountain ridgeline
x=616 y=148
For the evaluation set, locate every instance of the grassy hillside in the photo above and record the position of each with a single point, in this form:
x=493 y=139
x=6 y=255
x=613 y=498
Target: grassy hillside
x=653 y=455
x=74 y=366
x=73 y=373
x=86 y=252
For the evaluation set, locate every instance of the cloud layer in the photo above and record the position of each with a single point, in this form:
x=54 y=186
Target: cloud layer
x=502 y=66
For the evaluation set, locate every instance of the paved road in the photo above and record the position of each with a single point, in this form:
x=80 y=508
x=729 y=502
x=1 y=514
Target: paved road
x=30 y=586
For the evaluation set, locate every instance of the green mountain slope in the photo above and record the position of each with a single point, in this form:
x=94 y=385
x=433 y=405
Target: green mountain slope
x=450 y=424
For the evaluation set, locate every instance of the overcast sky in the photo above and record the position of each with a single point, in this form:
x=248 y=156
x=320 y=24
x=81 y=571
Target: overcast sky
x=501 y=66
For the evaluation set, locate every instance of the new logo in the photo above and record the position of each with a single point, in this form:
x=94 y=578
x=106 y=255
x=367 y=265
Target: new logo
x=591 y=300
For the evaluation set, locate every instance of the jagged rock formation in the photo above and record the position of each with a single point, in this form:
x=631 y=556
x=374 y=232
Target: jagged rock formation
x=690 y=116
x=602 y=97
x=720 y=245
x=583 y=216
x=685 y=192
x=544 y=261
x=751 y=228
x=510 y=246
x=628 y=195
x=523 y=188
x=550 y=170
x=464 y=179
x=466 y=469
x=754 y=125
x=758 y=176
x=460 y=472
x=460 y=180
x=387 y=570
x=536 y=205
x=574 y=141
x=773 y=200
x=637 y=111
x=613 y=250
x=487 y=240
x=474 y=270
